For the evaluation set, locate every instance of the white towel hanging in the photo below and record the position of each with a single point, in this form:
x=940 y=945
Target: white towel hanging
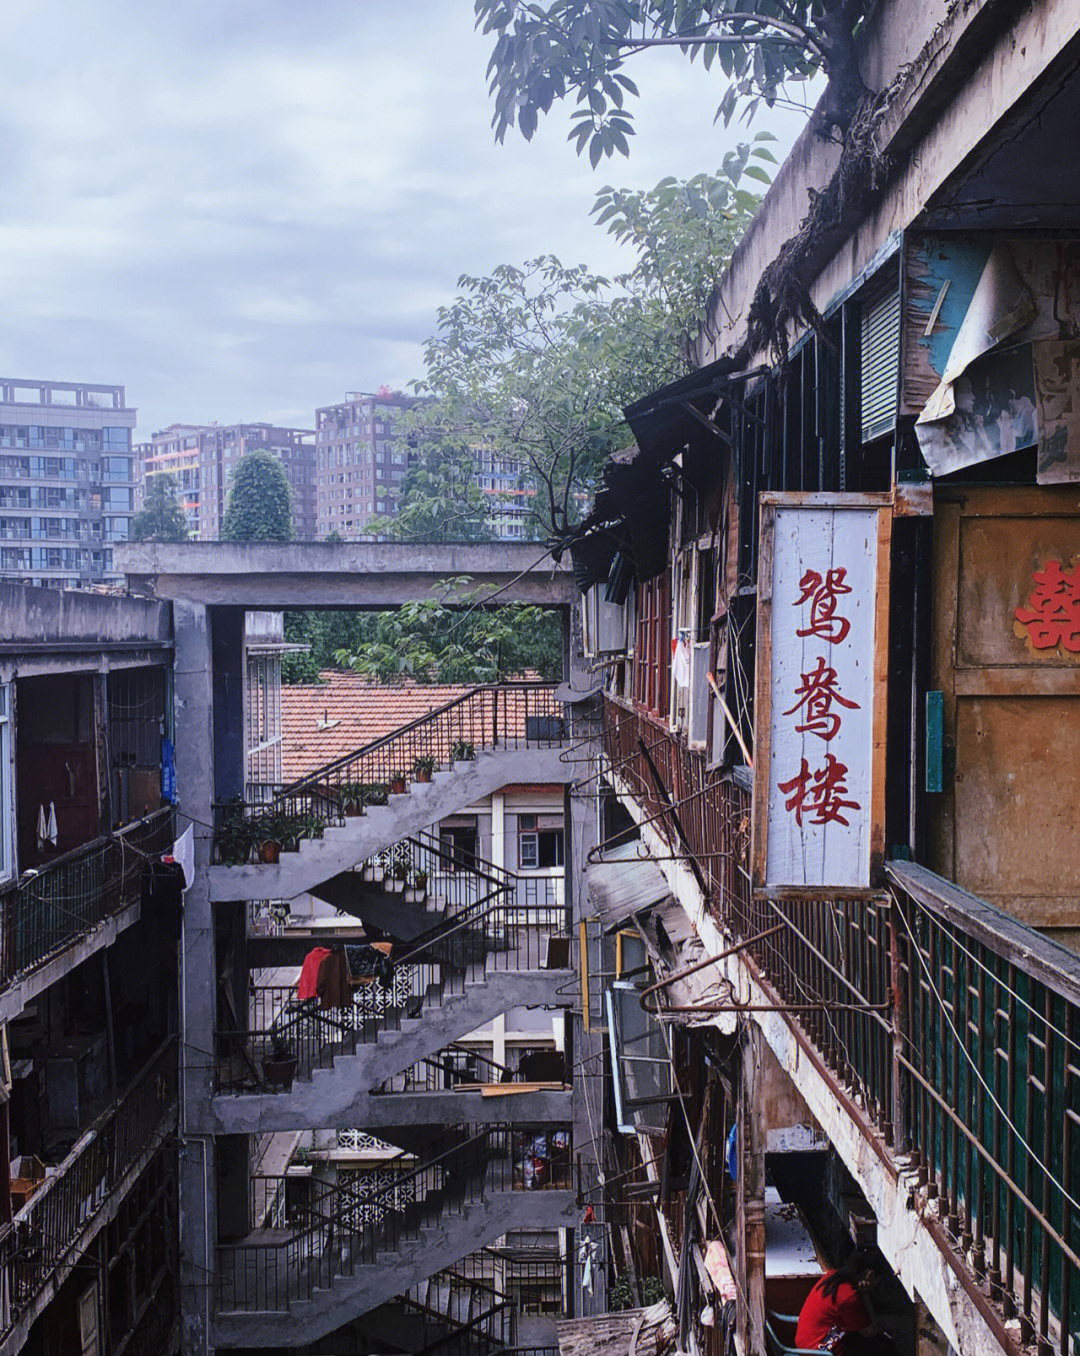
x=51 y=832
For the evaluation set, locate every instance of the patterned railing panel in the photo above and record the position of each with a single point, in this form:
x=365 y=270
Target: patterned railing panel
x=48 y=909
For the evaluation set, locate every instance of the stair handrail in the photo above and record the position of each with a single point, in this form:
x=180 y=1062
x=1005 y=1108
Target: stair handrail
x=309 y=779
x=460 y=1329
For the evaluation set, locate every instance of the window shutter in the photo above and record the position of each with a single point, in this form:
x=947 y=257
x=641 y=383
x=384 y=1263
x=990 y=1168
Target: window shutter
x=880 y=365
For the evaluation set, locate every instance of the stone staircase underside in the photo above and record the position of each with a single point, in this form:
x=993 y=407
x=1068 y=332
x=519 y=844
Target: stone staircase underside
x=337 y=1096
x=424 y=804
x=454 y=1237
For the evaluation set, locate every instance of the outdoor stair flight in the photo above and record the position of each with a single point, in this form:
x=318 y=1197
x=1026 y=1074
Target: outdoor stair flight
x=359 y=805
x=449 y=1313
x=355 y=1245
x=493 y=942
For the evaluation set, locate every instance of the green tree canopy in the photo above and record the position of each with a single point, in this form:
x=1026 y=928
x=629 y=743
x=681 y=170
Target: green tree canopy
x=561 y=48
x=440 y=498
x=161 y=518
x=260 y=506
x=471 y=642
x=535 y=363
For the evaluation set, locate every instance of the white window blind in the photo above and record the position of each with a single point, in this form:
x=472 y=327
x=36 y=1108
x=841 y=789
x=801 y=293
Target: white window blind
x=880 y=365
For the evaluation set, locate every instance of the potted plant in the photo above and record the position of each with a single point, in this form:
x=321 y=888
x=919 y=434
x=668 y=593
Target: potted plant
x=419 y=882
x=351 y=798
x=424 y=767
x=398 y=782
x=463 y=752
x=265 y=834
x=376 y=793
x=233 y=839
x=279 y=1069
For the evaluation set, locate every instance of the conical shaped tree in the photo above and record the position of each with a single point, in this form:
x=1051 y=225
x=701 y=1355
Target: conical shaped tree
x=260 y=506
x=162 y=518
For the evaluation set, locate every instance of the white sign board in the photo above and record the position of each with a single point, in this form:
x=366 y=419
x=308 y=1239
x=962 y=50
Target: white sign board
x=820 y=651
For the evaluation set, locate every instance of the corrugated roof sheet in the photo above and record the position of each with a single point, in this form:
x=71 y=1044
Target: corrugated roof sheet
x=623 y=884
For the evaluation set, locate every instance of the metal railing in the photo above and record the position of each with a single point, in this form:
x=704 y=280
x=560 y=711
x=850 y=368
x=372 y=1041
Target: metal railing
x=344 y=1226
x=47 y=1231
x=956 y=1027
x=464 y=1313
x=500 y=716
x=487 y=932
x=533 y=1278
x=48 y=909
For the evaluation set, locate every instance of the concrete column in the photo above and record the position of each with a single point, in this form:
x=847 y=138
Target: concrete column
x=193 y=708
x=586 y=1046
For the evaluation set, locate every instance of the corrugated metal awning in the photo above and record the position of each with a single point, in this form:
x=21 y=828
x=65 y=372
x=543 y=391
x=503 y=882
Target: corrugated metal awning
x=624 y=884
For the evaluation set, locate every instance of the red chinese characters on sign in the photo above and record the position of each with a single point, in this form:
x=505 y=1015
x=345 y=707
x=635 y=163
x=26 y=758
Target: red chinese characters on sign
x=1052 y=616
x=820 y=795
x=817 y=693
x=823 y=594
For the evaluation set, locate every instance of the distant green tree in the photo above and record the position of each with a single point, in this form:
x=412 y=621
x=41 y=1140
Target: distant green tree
x=162 y=518
x=440 y=499
x=335 y=537
x=260 y=506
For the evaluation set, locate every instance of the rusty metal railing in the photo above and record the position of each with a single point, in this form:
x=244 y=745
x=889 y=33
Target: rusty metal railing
x=955 y=1027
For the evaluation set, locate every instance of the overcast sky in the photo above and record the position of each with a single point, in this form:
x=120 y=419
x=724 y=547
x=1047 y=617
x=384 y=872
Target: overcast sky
x=242 y=208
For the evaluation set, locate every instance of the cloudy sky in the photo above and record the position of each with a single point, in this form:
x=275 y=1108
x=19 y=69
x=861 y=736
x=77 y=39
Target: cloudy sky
x=242 y=208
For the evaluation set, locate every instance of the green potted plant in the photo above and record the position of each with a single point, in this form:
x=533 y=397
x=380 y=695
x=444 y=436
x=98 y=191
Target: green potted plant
x=265 y=832
x=463 y=752
x=279 y=1068
x=376 y=793
x=417 y=891
x=424 y=767
x=351 y=799
x=233 y=838
x=399 y=782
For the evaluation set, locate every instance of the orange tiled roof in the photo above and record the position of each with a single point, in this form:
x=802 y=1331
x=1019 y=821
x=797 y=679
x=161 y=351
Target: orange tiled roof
x=354 y=710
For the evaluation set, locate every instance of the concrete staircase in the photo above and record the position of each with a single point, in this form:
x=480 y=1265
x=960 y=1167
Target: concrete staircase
x=348 y=841
x=340 y=1091
x=284 y=1289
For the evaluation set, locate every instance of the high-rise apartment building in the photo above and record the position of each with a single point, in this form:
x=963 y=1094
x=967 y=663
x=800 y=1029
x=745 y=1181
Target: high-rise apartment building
x=67 y=480
x=358 y=472
x=202 y=458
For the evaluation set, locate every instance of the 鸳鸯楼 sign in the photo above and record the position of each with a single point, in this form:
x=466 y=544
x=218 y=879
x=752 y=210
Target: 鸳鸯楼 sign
x=820 y=714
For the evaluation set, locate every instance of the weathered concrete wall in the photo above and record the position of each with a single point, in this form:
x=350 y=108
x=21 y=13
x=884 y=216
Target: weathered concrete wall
x=352 y=574
x=51 y=630
x=966 y=69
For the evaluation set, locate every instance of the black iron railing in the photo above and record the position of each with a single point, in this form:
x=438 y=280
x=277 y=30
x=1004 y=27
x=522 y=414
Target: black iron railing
x=501 y=716
x=49 y=908
x=956 y=1027
x=49 y=1230
x=343 y=1226
x=493 y=922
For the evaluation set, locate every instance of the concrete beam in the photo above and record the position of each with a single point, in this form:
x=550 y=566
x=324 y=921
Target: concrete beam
x=266 y=575
x=254 y=1114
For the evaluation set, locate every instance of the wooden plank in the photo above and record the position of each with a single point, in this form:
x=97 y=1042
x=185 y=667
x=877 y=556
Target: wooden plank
x=759 y=805
x=881 y=694
x=514 y=1089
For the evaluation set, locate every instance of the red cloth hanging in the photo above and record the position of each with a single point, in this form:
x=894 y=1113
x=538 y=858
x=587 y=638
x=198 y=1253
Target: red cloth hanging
x=308 y=987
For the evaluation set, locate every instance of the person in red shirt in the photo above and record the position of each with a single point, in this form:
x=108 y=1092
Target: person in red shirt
x=837 y=1308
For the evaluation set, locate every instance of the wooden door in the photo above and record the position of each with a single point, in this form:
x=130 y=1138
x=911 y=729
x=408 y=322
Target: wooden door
x=1007 y=658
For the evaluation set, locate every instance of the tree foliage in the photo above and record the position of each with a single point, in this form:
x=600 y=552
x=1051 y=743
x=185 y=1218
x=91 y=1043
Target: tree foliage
x=440 y=499
x=534 y=364
x=161 y=517
x=432 y=642
x=260 y=506
x=561 y=48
